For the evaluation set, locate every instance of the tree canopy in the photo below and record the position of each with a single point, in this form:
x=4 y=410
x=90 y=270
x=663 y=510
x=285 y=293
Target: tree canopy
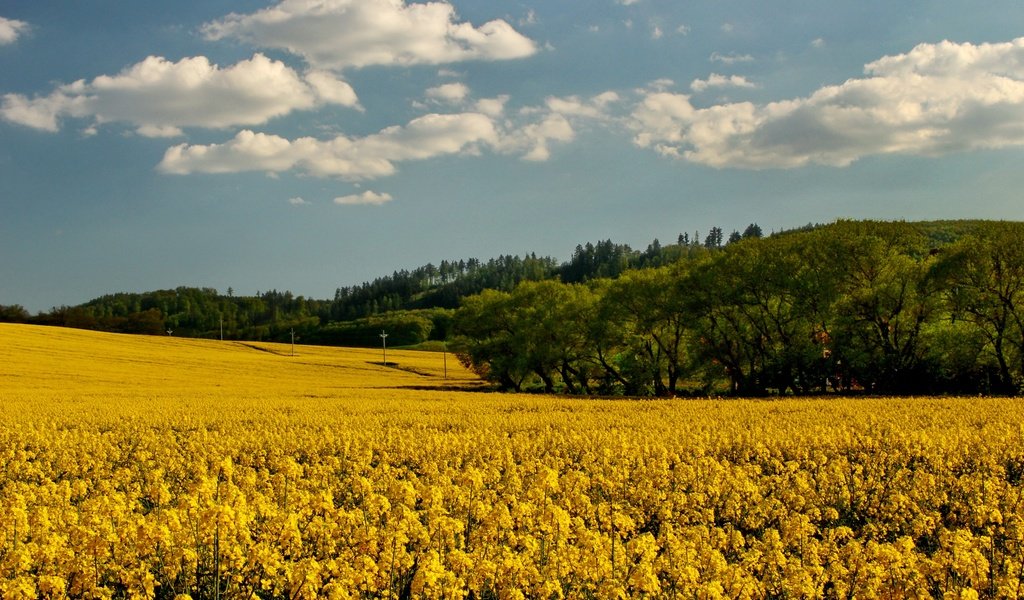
x=893 y=308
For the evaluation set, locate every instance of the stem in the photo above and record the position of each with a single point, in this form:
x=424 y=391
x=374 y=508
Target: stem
x=216 y=542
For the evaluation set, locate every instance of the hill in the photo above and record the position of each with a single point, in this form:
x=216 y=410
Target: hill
x=77 y=364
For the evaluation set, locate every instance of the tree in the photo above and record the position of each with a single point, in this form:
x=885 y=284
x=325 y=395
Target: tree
x=984 y=285
x=888 y=299
x=648 y=305
x=714 y=238
x=486 y=341
x=14 y=313
x=761 y=315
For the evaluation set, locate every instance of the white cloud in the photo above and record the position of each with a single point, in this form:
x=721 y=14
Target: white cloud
x=492 y=107
x=716 y=80
x=534 y=140
x=683 y=30
x=730 y=59
x=160 y=97
x=661 y=119
x=818 y=43
x=656 y=32
x=935 y=99
x=369 y=157
x=529 y=134
x=298 y=201
x=367 y=197
x=449 y=92
x=11 y=30
x=337 y=34
x=331 y=90
x=573 y=106
x=627 y=2
x=41 y=112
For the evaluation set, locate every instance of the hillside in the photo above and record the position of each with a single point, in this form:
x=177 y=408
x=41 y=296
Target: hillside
x=77 y=364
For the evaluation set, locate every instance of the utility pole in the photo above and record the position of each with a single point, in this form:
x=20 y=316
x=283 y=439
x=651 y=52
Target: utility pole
x=444 y=354
x=222 y=328
x=384 y=339
x=292 y=331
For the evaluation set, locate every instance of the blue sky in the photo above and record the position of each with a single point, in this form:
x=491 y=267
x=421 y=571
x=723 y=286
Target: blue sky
x=306 y=145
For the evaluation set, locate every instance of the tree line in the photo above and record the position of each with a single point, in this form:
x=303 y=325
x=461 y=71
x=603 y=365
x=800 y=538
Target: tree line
x=885 y=308
x=410 y=302
x=185 y=312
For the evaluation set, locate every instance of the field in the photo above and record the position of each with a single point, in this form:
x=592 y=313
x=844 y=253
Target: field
x=164 y=467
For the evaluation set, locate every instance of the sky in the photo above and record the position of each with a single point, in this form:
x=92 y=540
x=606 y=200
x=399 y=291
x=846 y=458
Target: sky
x=311 y=144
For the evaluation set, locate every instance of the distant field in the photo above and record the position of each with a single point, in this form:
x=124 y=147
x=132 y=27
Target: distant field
x=77 y=363
x=164 y=467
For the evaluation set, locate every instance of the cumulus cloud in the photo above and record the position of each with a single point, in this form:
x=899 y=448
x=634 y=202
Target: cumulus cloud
x=331 y=90
x=298 y=201
x=11 y=30
x=42 y=112
x=492 y=107
x=449 y=92
x=574 y=106
x=935 y=99
x=529 y=134
x=351 y=159
x=716 y=80
x=553 y=123
x=533 y=141
x=160 y=97
x=367 y=197
x=339 y=34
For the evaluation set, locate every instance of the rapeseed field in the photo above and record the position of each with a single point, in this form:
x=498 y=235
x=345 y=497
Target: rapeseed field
x=157 y=467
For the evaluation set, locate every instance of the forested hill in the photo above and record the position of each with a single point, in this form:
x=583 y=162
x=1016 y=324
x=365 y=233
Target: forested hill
x=412 y=299
x=883 y=308
x=414 y=304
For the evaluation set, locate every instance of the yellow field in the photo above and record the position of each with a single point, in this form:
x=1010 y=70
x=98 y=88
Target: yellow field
x=159 y=467
x=85 y=364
